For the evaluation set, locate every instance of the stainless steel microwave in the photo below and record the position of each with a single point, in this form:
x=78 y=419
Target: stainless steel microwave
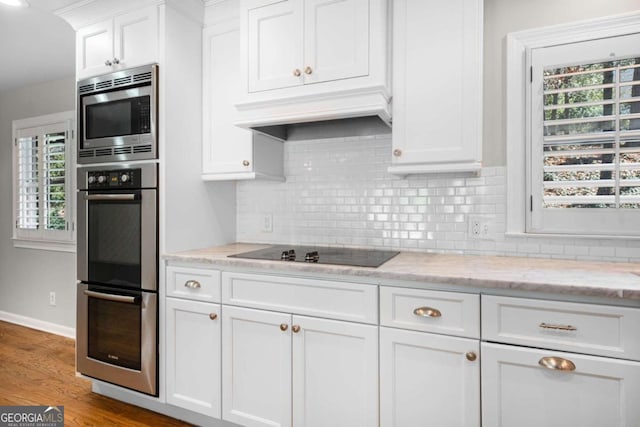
x=117 y=116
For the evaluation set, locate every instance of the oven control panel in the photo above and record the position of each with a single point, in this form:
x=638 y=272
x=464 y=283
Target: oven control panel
x=114 y=179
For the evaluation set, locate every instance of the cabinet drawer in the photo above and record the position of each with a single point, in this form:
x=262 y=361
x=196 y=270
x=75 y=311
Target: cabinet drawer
x=448 y=313
x=193 y=283
x=322 y=298
x=583 y=328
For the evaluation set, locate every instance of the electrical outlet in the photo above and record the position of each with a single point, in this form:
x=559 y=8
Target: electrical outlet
x=267 y=223
x=480 y=226
x=52 y=298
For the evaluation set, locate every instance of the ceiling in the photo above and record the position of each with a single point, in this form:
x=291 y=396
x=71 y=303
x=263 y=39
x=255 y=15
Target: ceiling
x=35 y=45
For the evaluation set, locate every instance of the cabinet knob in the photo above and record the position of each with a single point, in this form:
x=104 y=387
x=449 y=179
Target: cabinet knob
x=192 y=284
x=471 y=356
x=284 y=327
x=116 y=61
x=397 y=152
x=297 y=72
x=108 y=63
x=213 y=316
x=308 y=70
x=295 y=328
x=557 y=364
x=427 y=312
x=245 y=163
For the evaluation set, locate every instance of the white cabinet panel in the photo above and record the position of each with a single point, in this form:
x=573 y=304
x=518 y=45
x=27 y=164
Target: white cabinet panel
x=437 y=86
x=193 y=283
x=335 y=373
x=192 y=372
x=275 y=45
x=427 y=379
x=230 y=152
x=256 y=366
x=448 y=313
x=518 y=391
x=322 y=298
x=336 y=41
x=584 y=328
x=124 y=41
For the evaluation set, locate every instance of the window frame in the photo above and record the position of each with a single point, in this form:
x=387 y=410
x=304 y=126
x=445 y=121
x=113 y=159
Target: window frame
x=55 y=240
x=518 y=100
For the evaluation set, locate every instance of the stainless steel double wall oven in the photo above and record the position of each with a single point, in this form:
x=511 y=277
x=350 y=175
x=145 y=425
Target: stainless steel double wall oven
x=117 y=300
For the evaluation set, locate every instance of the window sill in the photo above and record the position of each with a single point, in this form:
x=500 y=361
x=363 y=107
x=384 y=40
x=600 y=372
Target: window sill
x=45 y=245
x=569 y=236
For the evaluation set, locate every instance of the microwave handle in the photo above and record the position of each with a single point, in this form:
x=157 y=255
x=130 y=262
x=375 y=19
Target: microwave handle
x=115 y=197
x=110 y=297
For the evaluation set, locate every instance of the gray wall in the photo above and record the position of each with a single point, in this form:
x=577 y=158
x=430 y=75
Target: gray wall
x=27 y=275
x=505 y=16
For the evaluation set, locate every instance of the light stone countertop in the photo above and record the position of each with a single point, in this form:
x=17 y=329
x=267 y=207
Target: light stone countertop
x=584 y=278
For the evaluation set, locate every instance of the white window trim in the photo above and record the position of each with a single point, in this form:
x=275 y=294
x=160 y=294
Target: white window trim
x=67 y=244
x=517 y=103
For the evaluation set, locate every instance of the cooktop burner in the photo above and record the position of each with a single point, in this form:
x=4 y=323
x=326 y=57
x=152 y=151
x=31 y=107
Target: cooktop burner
x=321 y=255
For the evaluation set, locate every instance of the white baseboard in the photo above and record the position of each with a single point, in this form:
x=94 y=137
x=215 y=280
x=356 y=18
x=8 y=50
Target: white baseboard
x=40 y=325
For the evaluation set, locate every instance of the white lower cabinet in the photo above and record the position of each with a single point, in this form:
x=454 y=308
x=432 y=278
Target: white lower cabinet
x=193 y=355
x=289 y=370
x=526 y=387
x=428 y=379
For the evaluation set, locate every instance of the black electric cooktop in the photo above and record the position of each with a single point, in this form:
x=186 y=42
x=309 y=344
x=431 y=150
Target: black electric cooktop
x=321 y=255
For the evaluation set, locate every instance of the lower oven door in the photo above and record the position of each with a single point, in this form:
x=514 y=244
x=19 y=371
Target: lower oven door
x=117 y=336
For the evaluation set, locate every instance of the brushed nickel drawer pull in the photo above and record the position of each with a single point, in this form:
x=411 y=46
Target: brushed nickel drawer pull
x=557 y=364
x=557 y=327
x=427 y=312
x=192 y=284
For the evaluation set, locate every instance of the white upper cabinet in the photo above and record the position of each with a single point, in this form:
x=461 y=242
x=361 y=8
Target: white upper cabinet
x=124 y=41
x=299 y=54
x=437 y=86
x=275 y=45
x=300 y=42
x=230 y=152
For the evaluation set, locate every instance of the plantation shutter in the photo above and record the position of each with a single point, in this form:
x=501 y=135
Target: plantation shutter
x=41 y=184
x=585 y=137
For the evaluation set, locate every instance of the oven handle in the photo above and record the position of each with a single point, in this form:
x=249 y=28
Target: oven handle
x=111 y=297
x=111 y=197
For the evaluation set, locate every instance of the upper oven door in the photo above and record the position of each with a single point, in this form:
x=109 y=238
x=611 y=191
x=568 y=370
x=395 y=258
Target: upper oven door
x=117 y=238
x=121 y=117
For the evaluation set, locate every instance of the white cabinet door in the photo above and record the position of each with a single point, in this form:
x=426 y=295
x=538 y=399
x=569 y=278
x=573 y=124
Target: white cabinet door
x=256 y=366
x=226 y=148
x=135 y=37
x=335 y=373
x=518 y=391
x=275 y=43
x=336 y=39
x=437 y=86
x=193 y=356
x=428 y=379
x=94 y=46
x=124 y=41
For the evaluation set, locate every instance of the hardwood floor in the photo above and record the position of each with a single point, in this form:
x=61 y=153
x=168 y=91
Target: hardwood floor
x=37 y=368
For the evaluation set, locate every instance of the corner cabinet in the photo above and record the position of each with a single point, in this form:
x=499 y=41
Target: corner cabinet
x=123 y=41
x=230 y=152
x=437 y=86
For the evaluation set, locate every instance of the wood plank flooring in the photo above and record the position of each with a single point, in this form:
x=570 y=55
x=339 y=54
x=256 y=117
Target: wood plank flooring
x=38 y=368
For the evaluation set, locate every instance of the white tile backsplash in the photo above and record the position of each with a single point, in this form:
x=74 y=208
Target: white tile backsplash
x=338 y=192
